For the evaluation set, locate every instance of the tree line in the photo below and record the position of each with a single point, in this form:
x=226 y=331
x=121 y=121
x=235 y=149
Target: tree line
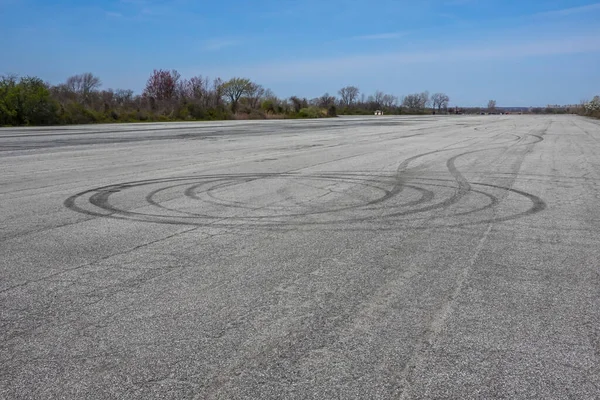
x=167 y=96
x=585 y=108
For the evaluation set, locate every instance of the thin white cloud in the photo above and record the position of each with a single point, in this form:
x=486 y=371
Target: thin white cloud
x=570 y=11
x=113 y=14
x=381 y=36
x=219 y=43
x=290 y=70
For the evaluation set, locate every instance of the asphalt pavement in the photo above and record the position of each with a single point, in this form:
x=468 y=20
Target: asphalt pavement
x=428 y=257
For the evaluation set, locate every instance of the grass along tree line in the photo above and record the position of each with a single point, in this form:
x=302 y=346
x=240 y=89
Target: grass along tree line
x=168 y=96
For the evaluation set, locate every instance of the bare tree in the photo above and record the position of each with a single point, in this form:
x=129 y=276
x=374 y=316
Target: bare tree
x=326 y=101
x=255 y=94
x=378 y=98
x=491 y=105
x=423 y=100
x=416 y=101
x=123 y=96
x=285 y=106
x=439 y=101
x=83 y=85
x=271 y=104
x=298 y=103
x=215 y=94
x=269 y=95
x=63 y=93
x=348 y=95
x=108 y=99
x=183 y=90
x=412 y=101
x=176 y=76
x=197 y=87
x=389 y=101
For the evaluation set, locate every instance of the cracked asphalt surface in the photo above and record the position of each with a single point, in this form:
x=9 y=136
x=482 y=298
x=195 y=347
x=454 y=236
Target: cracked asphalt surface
x=360 y=257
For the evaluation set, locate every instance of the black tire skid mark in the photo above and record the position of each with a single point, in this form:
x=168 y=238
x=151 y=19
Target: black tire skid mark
x=463 y=184
x=362 y=182
x=100 y=198
x=389 y=195
x=538 y=206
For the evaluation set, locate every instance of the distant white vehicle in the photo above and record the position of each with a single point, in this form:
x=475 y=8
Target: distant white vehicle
x=378 y=112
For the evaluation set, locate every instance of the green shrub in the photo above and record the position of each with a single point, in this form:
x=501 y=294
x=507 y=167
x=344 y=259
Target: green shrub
x=142 y=116
x=268 y=106
x=27 y=102
x=196 y=111
x=217 y=114
x=75 y=113
x=332 y=111
x=310 y=112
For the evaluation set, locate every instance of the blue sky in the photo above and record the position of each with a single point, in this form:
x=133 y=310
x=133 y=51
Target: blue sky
x=521 y=53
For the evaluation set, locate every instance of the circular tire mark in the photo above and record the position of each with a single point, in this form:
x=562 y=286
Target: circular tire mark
x=385 y=200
